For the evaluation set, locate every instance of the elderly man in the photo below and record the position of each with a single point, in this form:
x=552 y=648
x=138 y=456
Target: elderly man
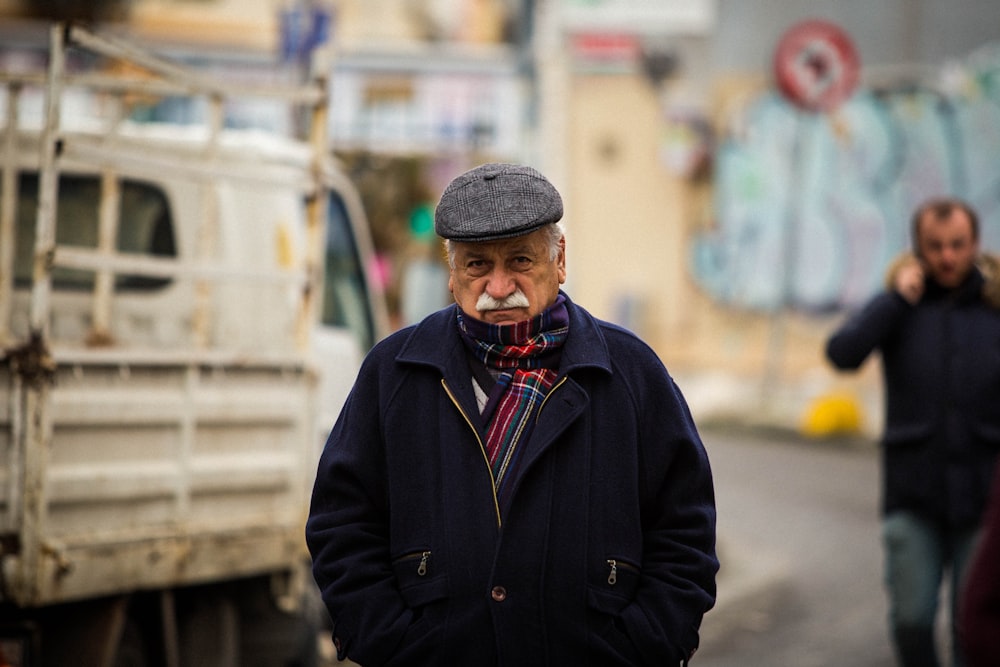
x=513 y=482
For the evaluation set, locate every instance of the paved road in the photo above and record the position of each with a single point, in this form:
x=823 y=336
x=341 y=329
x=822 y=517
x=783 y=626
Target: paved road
x=798 y=539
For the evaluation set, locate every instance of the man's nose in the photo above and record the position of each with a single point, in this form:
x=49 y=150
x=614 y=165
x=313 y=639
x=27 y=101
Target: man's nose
x=500 y=284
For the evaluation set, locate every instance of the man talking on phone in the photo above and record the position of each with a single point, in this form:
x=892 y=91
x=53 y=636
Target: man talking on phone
x=938 y=331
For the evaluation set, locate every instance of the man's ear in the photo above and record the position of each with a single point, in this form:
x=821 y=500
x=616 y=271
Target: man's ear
x=562 y=260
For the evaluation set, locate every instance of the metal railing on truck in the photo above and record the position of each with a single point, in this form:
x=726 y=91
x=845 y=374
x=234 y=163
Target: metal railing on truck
x=161 y=78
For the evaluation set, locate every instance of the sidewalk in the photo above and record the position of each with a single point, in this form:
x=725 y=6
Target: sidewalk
x=753 y=575
x=748 y=579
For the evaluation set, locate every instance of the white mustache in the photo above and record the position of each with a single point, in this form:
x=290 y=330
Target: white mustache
x=515 y=300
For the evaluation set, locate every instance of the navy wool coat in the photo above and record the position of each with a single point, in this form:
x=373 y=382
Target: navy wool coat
x=605 y=555
x=941 y=366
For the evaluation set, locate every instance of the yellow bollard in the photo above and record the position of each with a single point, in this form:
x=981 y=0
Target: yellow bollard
x=833 y=414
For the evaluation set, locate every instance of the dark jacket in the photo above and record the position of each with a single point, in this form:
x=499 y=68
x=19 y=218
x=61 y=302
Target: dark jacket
x=606 y=555
x=941 y=365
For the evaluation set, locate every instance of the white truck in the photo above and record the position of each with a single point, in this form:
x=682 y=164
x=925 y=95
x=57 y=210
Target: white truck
x=182 y=312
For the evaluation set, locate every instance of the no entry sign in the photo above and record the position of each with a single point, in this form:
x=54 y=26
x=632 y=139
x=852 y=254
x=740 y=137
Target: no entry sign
x=816 y=65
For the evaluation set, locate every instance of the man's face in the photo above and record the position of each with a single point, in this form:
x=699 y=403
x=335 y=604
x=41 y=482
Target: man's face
x=947 y=247
x=488 y=273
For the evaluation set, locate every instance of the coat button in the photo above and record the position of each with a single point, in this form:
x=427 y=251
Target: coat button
x=499 y=593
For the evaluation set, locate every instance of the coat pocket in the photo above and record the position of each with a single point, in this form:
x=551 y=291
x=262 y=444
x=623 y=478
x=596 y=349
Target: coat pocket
x=609 y=591
x=420 y=583
x=612 y=587
x=424 y=590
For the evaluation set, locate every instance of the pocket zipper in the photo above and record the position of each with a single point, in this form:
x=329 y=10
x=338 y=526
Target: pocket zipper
x=613 y=573
x=422 y=566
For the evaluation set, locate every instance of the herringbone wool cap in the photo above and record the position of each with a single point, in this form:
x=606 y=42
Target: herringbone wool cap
x=496 y=201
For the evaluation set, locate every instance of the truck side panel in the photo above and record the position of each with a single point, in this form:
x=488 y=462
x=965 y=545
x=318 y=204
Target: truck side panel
x=156 y=476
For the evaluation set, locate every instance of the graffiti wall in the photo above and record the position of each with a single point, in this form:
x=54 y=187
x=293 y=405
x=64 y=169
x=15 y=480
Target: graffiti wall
x=810 y=208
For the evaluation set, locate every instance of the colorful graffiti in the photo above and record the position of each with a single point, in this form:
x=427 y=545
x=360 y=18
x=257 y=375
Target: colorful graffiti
x=811 y=207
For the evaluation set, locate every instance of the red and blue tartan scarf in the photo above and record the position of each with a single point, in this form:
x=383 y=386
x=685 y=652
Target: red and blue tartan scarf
x=523 y=357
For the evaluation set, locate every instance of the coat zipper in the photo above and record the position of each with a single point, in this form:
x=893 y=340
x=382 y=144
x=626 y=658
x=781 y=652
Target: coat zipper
x=482 y=448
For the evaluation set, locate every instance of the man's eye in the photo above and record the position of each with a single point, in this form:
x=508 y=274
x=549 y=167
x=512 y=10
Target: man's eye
x=522 y=261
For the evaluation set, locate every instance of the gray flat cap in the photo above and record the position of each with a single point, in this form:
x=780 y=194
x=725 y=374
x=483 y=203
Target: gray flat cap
x=496 y=201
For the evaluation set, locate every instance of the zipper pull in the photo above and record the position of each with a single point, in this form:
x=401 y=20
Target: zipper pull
x=613 y=576
x=422 y=568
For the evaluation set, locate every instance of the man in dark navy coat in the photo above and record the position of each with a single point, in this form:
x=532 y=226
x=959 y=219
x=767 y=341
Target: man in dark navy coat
x=512 y=481
x=937 y=326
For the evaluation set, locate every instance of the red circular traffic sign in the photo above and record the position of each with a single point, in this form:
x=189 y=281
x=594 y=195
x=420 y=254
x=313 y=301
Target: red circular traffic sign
x=816 y=65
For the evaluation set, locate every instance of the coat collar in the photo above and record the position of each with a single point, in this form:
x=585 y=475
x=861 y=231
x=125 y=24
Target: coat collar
x=970 y=291
x=435 y=342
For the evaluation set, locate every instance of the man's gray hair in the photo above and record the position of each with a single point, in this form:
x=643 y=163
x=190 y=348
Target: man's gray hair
x=554 y=233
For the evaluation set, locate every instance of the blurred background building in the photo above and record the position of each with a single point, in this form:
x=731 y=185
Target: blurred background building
x=725 y=222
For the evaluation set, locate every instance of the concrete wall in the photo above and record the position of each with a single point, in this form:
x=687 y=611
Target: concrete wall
x=742 y=343
x=631 y=224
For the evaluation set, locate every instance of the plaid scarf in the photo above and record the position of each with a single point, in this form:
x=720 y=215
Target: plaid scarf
x=523 y=357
